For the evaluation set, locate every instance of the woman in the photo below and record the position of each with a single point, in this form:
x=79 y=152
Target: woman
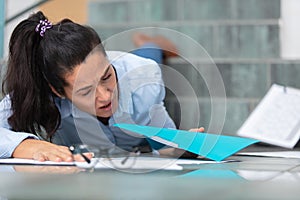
x=60 y=81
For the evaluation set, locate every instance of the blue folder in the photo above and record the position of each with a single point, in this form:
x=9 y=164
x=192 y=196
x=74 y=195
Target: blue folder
x=213 y=146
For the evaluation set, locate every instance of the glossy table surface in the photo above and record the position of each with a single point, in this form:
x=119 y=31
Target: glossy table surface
x=248 y=177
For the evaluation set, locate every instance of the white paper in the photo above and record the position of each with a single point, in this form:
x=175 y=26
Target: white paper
x=20 y=161
x=154 y=163
x=139 y=163
x=278 y=154
x=199 y=162
x=276 y=119
x=104 y=163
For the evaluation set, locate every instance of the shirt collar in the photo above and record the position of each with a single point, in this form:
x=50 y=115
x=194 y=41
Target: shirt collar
x=64 y=106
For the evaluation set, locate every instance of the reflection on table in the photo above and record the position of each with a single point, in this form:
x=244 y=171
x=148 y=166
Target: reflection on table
x=244 y=177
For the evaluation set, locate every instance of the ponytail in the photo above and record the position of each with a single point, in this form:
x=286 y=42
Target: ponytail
x=24 y=81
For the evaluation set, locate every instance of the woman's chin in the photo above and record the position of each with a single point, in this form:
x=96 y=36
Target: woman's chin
x=104 y=115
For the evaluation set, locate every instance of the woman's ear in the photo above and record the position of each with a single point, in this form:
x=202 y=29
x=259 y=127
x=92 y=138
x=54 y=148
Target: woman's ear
x=55 y=92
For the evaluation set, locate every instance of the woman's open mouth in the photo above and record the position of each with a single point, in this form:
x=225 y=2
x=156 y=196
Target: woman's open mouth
x=106 y=107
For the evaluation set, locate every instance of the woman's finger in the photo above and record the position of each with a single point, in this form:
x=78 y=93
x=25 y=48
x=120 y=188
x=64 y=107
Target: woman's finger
x=201 y=129
x=55 y=156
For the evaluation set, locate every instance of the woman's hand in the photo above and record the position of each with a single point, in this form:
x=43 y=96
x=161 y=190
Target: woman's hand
x=187 y=154
x=201 y=129
x=174 y=152
x=42 y=151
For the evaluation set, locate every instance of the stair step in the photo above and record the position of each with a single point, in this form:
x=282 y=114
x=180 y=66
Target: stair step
x=242 y=79
x=223 y=41
x=161 y=10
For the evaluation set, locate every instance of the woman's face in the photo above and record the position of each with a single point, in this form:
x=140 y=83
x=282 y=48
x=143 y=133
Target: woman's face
x=92 y=86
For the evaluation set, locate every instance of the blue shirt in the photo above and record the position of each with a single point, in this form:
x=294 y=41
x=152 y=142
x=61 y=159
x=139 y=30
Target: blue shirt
x=141 y=95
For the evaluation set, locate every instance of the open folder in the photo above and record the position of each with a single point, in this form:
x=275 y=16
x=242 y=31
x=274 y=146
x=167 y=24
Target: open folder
x=276 y=119
x=212 y=146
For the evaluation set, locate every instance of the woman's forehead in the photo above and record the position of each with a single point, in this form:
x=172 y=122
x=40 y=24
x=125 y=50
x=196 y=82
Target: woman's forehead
x=90 y=69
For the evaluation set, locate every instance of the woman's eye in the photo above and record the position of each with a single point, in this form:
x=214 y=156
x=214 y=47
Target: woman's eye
x=86 y=93
x=106 y=77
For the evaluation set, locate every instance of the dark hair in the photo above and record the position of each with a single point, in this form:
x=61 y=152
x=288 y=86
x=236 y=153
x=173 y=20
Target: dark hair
x=35 y=62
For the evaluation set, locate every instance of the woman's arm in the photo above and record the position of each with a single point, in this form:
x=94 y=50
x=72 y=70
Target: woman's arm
x=26 y=145
x=42 y=151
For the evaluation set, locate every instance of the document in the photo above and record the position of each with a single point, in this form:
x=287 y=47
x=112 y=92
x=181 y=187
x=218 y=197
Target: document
x=135 y=163
x=276 y=119
x=20 y=161
x=213 y=146
x=138 y=163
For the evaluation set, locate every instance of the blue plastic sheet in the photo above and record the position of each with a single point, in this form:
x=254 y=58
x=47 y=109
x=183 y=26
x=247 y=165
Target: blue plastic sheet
x=212 y=146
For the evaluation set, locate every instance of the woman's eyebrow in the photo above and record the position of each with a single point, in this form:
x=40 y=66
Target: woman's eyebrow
x=106 y=71
x=90 y=86
x=84 y=88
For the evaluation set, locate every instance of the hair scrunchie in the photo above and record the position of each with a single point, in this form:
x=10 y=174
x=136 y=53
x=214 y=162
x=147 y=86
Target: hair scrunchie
x=43 y=26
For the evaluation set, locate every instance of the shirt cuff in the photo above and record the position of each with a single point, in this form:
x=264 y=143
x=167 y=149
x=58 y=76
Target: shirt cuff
x=12 y=141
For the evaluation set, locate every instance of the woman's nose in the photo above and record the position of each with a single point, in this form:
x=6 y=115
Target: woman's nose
x=103 y=93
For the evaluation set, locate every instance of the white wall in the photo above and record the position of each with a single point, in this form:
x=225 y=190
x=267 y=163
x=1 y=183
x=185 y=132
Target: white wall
x=12 y=8
x=290 y=29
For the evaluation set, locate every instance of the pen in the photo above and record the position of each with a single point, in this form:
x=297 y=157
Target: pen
x=72 y=149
